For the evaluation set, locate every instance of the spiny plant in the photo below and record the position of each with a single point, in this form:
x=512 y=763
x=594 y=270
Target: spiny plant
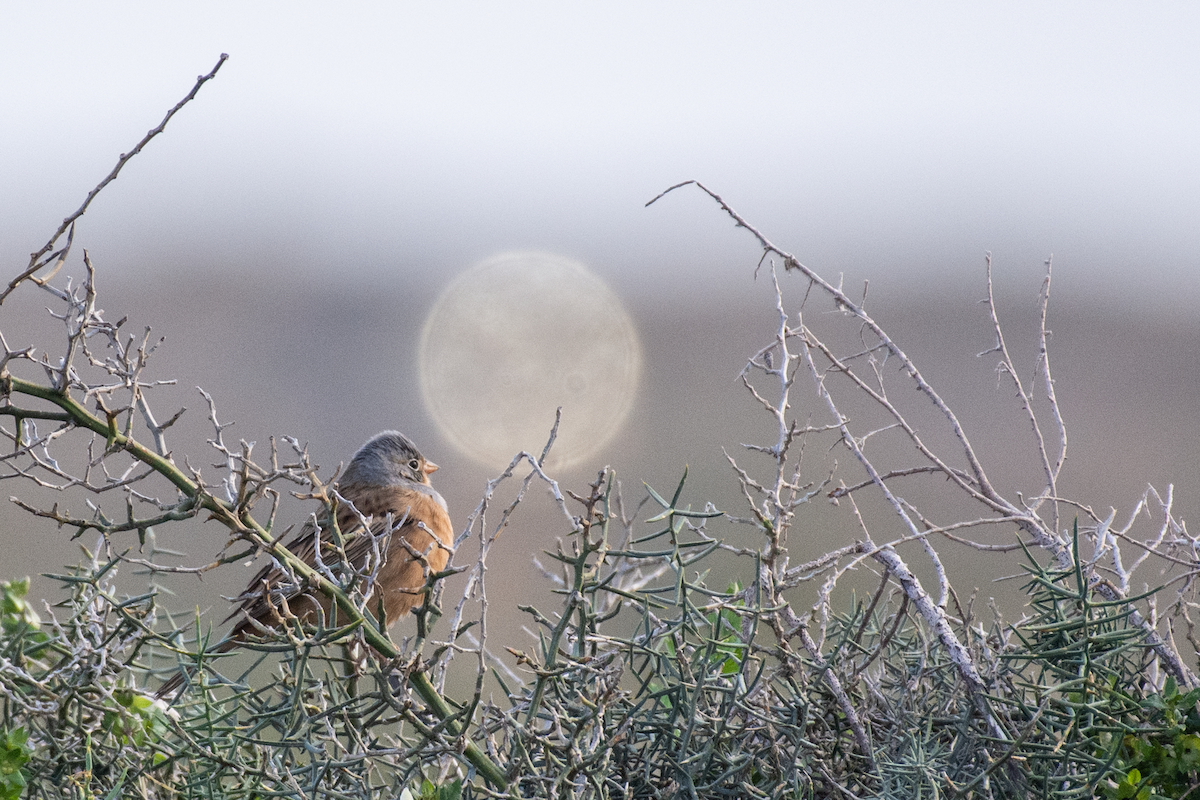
x=651 y=677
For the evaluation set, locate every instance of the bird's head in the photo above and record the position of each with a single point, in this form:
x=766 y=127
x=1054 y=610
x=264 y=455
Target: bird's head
x=386 y=459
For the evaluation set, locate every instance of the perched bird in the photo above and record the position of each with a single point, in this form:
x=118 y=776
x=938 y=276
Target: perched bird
x=387 y=478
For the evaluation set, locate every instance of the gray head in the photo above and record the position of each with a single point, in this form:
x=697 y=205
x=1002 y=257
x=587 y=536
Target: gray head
x=386 y=459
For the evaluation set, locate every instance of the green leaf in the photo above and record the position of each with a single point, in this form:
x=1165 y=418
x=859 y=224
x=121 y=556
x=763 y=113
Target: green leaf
x=658 y=498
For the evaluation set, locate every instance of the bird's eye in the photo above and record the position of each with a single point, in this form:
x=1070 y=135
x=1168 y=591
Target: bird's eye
x=415 y=464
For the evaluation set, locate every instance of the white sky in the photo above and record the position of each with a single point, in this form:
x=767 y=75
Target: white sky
x=882 y=139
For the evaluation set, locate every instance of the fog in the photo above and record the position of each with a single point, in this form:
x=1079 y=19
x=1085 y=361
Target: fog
x=292 y=227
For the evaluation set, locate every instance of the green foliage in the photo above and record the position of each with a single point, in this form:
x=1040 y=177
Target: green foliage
x=20 y=627
x=428 y=790
x=1161 y=758
x=14 y=754
x=20 y=624
x=78 y=718
x=72 y=714
x=645 y=682
x=1074 y=681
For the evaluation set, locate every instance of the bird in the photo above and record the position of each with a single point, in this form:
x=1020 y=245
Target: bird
x=387 y=481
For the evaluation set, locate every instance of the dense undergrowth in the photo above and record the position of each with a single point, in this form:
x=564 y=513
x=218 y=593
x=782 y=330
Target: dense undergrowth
x=690 y=696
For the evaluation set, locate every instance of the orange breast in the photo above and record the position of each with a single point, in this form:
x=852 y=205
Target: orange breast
x=427 y=533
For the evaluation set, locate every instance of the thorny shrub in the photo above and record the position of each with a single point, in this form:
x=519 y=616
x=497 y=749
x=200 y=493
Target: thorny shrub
x=646 y=680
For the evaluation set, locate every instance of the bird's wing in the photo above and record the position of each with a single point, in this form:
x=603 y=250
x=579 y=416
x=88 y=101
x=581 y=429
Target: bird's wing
x=395 y=548
x=272 y=585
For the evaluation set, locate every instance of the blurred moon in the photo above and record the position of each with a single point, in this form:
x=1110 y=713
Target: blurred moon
x=515 y=337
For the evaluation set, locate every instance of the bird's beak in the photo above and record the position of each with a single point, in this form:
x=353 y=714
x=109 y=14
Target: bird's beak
x=430 y=468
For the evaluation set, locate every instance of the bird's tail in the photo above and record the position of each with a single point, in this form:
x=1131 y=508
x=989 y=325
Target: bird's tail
x=176 y=680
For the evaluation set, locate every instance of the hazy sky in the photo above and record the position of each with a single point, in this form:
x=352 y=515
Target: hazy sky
x=415 y=139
